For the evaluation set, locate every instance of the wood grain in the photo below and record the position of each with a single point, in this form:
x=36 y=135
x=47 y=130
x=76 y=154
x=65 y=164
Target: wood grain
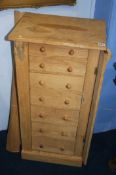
x=59 y=83
x=22 y=75
x=52 y=51
x=63 y=132
x=13 y=136
x=53 y=145
x=58 y=105
x=33 y=3
x=52 y=157
x=58 y=30
x=86 y=101
x=53 y=115
x=104 y=58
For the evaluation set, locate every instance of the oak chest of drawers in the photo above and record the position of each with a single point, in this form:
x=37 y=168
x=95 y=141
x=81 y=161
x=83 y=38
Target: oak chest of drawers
x=59 y=62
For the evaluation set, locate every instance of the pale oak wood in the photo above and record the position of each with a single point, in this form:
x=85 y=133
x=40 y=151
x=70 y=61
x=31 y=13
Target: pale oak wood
x=56 y=39
x=22 y=75
x=53 y=115
x=58 y=30
x=13 y=136
x=52 y=51
x=59 y=83
x=104 y=58
x=33 y=3
x=57 y=65
x=63 y=132
x=64 y=100
x=86 y=100
x=53 y=145
x=52 y=157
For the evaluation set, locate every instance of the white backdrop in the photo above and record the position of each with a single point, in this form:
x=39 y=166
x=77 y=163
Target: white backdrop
x=84 y=8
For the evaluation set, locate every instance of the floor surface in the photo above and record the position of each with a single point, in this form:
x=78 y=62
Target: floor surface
x=103 y=147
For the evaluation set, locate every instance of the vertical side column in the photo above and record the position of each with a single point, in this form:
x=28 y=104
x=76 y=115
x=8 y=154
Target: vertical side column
x=22 y=77
x=13 y=136
x=86 y=100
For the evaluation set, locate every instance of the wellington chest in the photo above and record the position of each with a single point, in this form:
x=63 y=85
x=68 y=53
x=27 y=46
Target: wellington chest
x=59 y=64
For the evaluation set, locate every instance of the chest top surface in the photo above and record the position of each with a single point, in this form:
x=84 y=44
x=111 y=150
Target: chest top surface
x=58 y=30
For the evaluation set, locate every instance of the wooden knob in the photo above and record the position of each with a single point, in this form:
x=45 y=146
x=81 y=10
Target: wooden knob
x=69 y=69
x=41 y=116
x=41 y=82
x=63 y=134
x=71 y=52
x=42 y=65
x=42 y=49
x=68 y=86
x=41 y=146
x=62 y=149
x=40 y=130
x=66 y=102
x=41 y=99
x=65 y=118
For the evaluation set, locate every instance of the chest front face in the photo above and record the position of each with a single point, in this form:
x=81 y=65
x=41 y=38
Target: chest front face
x=55 y=84
x=55 y=88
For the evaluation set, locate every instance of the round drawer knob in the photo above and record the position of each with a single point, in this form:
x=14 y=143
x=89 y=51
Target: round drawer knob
x=41 y=82
x=65 y=118
x=40 y=130
x=41 y=99
x=41 y=146
x=61 y=149
x=68 y=86
x=42 y=49
x=63 y=134
x=71 y=52
x=69 y=69
x=42 y=65
x=66 y=102
x=41 y=116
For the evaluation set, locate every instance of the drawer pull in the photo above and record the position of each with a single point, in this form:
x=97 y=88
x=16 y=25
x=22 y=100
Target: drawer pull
x=42 y=65
x=41 y=99
x=71 y=52
x=68 y=86
x=41 y=146
x=65 y=118
x=61 y=149
x=42 y=49
x=67 y=102
x=41 y=116
x=63 y=134
x=40 y=130
x=41 y=82
x=69 y=69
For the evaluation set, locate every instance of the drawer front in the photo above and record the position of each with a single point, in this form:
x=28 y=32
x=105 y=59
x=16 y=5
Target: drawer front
x=53 y=145
x=60 y=51
x=58 y=61
x=58 y=83
x=66 y=132
x=51 y=115
x=51 y=98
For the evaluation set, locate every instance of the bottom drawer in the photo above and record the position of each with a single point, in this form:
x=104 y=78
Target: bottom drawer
x=53 y=145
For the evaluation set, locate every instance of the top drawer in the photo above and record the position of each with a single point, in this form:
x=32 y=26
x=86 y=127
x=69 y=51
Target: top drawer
x=50 y=50
x=56 y=59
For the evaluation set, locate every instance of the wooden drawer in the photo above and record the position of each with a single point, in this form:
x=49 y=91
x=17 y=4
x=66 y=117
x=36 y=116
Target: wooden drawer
x=55 y=60
x=58 y=83
x=43 y=143
x=52 y=115
x=57 y=51
x=51 y=98
x=67 y=132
